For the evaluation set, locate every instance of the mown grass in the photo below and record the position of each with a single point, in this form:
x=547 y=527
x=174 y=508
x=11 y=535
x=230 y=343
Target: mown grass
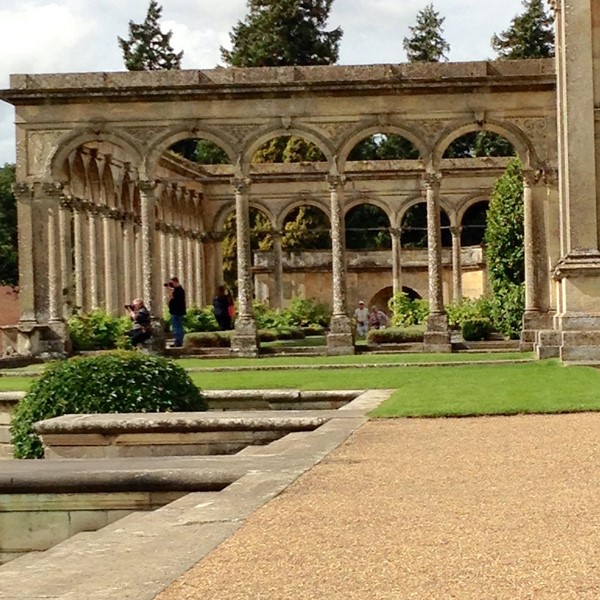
x=462 y=390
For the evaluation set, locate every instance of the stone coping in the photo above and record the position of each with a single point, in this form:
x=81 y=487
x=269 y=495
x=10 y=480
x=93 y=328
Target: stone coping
x=245 y=77
x=184 y=422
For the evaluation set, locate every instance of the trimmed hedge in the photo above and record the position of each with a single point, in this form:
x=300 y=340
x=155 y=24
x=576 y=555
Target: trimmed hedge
x=476 y=329
x=98 y=330
x=396 y=335
x=207 y=339
x=116 y=382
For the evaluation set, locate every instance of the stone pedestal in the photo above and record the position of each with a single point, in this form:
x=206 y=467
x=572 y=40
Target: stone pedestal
x=244 y=342
x=340 y=339
x=34 y=339
x=437 y=336
x=533 y=322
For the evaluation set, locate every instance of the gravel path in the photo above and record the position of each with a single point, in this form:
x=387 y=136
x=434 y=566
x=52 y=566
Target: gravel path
x=503 y=508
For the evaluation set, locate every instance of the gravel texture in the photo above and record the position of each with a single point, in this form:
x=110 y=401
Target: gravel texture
x=475 y=508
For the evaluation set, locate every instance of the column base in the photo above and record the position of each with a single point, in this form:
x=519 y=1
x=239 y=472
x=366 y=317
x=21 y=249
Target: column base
x=533 y=322
x=576 y=338
x=437 y=335
x=340 y=339
x=42 y=340
x=244 y=341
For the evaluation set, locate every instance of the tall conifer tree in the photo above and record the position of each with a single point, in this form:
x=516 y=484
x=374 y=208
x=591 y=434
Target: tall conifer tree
x=284 y=32
x=426 y=43
x=531 y=34
x=148 y=48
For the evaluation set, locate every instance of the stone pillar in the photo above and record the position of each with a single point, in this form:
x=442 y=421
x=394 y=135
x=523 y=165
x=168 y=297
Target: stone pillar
x=396 y=235
x=531 y=291
x=55 y=312
x=199 y=270
x=128 y=257
x=277 y=301
x=92 y=260
x=189 y=270
x=164 y=256
x=340 y=339
x=437 y=336
x=172 y=252
x=24 y=194
x=245 y=339
x=139 y=275
x=110 y=274
x=65 y=221
x=81 y=272
x=180 y=273
x=456 y=264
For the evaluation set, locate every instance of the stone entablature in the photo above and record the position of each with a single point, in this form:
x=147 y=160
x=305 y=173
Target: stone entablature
x=100 y=142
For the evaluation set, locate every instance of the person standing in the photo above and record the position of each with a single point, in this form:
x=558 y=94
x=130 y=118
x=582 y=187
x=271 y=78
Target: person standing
x=361 y=316
x=221 y=306
x=177 y=309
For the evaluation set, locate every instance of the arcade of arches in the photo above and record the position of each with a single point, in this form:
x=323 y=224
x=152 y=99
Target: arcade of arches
x=107 y=210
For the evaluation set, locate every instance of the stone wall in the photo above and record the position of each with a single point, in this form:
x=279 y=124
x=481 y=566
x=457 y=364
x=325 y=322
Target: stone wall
x=9 y=308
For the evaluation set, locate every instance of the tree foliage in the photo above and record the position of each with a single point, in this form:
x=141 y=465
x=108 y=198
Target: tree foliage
x=505 y=253
x=530 y=35
x=148 y=48
x=284 y=32
x=384 y=147
x=288 y=149
x=426 y=43
x=479 y=143
x=9 y=271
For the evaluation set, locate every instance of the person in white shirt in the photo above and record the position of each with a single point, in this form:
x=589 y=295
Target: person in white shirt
x=361 y=316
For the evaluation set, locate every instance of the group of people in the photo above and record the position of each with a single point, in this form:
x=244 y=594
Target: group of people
x=365 y=319
x=141 y=331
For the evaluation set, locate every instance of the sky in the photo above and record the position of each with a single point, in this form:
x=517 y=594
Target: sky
x=61 y=36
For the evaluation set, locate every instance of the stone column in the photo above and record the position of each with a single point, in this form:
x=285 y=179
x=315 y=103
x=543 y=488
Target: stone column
x=199 y=270
x=437 y=336
x=172 y=252
x=81 y=273
x=181 y=268
x=55 y=312
x=456 y=264
x=164 y=255
x=139 y=275
x=24 y=194
x=245 y=339
x=128 y=257
x=147 y=213
x=94 y=288
x=396 y=235
x=340 y=339
x=531 y=292
x=109 y=257
x=277 y=270
x=65 y=220
x=189 y=270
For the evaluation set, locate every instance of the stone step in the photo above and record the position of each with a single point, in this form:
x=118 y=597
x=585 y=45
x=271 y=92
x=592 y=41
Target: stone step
x=580 y=354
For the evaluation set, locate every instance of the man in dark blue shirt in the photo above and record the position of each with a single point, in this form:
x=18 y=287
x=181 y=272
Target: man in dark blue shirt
x=177 y=309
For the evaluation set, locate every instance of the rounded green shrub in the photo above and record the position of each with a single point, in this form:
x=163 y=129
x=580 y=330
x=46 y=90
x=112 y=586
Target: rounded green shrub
x=207 y=339
x=98 y=330
x=396 y=335
x=116 y=382
x=476 y=329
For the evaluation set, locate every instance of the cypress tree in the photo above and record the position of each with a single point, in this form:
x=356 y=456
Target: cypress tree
x=148 y=48
x=505 y=250
x=531 y=34
x=426 y=43
x=282 y=33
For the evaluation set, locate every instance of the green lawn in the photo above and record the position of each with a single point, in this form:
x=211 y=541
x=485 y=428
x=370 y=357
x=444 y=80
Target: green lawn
x=355 y=359
x=476 y=389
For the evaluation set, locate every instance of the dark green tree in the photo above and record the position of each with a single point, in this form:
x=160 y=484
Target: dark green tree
x=148 y=48
x=505 y=253
x=9 y=272
x=284 y=32
x=426 y=43
x=384 y=147
x=530 y=35
x=479 y=143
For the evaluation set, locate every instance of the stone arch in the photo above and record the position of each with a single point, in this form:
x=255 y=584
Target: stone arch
x=468 y=201
x=77 y=138
x=262 y=137
x=520 y=141
x=108 y=185
x=177 y=134
x=360 y=239
x=77 y=177
x=362 y=133
x=472 y=222
x=381 y=299
x=320 y=241
x=95 y=181
x=445 y=224
x=315 y=203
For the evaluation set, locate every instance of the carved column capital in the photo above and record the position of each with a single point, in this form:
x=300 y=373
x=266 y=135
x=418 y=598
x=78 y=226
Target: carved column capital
x=395 y=232
x=335 y=182
x=146 y=186
x=456 y=231
x=241 y=185
x=432 y=180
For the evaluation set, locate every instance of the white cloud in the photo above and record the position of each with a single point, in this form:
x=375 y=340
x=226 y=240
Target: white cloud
x=81 y=35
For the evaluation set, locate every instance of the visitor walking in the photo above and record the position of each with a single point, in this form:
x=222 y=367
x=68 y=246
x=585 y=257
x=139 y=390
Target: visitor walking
x=221 y=307
x=177 y=309
x=361 y=317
